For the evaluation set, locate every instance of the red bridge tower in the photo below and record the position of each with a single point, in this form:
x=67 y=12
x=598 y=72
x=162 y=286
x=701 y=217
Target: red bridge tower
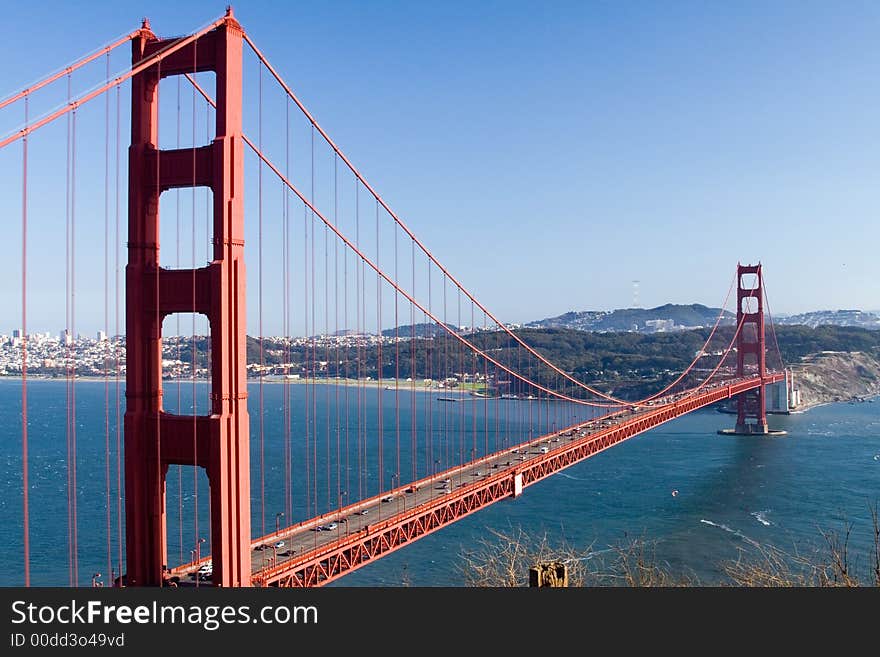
x=751 y=417
x=155 y=439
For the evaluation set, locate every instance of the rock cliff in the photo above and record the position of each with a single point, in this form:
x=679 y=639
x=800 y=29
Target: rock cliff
x=833 y=376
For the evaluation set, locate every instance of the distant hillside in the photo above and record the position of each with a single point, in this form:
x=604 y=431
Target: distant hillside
x=669 y=317
x=831 y=376
x=423 y=330
x=857 y=318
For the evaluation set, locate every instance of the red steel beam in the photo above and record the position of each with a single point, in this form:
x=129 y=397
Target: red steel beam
x=335 y=559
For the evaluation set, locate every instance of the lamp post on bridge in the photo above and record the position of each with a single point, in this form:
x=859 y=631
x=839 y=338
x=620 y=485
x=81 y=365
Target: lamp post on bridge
x=198 y=552
x=96 y=581
x=278 y=517
x=394 y=476
x=342 y=493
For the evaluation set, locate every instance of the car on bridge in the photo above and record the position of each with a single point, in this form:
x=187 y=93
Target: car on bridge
x=205 y=571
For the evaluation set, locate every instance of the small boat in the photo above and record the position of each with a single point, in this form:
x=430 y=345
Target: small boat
x=447 y=399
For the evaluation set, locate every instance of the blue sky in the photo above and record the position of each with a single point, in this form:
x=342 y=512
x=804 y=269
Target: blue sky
x=551 y=153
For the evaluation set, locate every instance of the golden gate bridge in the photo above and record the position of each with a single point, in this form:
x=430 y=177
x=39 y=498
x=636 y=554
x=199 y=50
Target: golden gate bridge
x=367 y=311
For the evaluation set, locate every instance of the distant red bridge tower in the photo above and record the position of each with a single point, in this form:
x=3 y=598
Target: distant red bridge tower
x=155 y=439
x=751 y=416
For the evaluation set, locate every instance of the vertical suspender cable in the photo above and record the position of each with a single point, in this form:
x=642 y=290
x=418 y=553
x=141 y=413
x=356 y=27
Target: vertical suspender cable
x=105 y=358
x=307 y=418
x=357 y=311
x=412 y=368
x=346 y=355
x=74 y=495
x=25 y=506
x=193 y=341
x=474 y=383
x=497 y=393
x=326 y=333
x=158 y=319
x=178 y=338
x=515 y=409
x=538 y=423
x=339 y=489
x=461 y=387
x=67 y=351
x=486 y=397
x=429 y=445
x=69 y=335
x=287 y=425
x=116 y=346
x=380 y=410
x=396 y=359
x=313 y=340
x=285 y=389
x=364 y=369
x=445 y=371
x=529 y=395
x=260 y=296
x=208 y=246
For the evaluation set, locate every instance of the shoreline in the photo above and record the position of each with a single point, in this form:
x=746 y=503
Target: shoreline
x=387 y=384
x=803 y=408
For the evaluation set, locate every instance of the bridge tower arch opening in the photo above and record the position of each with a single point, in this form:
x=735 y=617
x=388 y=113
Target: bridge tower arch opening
x=154 y=438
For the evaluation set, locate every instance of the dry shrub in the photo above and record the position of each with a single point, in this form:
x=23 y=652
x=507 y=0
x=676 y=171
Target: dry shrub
x=503 y=559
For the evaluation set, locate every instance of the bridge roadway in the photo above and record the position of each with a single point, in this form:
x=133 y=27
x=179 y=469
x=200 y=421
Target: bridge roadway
x=312 y=555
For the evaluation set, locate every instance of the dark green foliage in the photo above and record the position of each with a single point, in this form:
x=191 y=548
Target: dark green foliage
x=797 y=341
x=621 y=361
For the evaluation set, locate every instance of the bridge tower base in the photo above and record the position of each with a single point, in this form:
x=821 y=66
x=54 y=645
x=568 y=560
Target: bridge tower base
x=751 y=415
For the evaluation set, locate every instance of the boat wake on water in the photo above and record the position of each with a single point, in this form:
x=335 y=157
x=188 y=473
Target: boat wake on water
x=735 y=532
x=568 y=476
